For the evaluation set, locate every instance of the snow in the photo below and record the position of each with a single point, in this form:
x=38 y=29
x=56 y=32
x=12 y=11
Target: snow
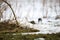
x=28 y=10
x=39 y=39
x=45 y=27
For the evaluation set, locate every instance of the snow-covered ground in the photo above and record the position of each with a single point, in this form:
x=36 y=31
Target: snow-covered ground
x=34 y=9
x=47 y=26
x=39 y=39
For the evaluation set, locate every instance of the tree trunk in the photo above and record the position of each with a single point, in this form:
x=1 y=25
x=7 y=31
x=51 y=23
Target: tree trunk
x=12 y=11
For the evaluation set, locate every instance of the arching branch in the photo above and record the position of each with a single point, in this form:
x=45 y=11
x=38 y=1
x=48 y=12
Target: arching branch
x=12 y=10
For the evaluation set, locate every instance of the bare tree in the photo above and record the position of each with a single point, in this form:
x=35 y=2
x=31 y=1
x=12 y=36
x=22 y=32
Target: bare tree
x=45 y=4
x=44 y=1
x=12 y=11
x=59 y=3
x=3 y=7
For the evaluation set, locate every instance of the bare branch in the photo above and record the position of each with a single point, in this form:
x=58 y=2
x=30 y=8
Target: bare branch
x=12 y=10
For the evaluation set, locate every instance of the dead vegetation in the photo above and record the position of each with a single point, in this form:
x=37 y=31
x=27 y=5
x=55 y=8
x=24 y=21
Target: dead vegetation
x=12 y=27
x=57 y=17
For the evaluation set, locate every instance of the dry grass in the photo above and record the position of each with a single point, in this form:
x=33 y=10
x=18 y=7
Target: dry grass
x=6 y=31
x=9 y=27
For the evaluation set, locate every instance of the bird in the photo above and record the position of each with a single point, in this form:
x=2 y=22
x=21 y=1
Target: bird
x=39 y=19
x=32 y=22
